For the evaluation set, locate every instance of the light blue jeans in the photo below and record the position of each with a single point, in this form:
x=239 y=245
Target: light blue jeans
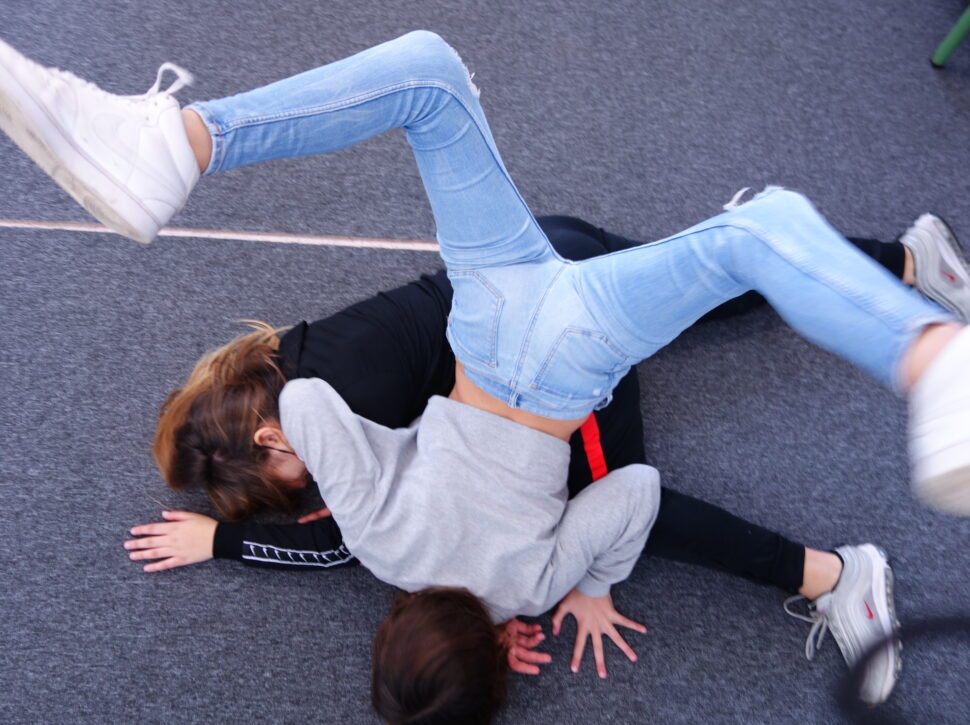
x=535 y=331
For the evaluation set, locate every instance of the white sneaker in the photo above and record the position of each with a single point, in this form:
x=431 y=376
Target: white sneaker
x=859 y=612
x=126 y=159
x=939 y=429
x=941 y=265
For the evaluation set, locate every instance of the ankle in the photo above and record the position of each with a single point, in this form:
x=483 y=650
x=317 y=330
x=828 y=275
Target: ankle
x=924 y=350
x=909 y=268
x=820 y=574
x=199 y=138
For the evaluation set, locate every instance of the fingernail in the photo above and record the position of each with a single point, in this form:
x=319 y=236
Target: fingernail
x=574 y=669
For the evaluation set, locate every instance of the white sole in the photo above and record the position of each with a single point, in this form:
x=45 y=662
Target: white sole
x=27 y=123
x=948 y=492
x=939 y=430
x=884 y=585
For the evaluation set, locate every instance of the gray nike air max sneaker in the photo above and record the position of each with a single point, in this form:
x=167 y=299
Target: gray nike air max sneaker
x=126 y=159
x=859 y=612
x=941 y=266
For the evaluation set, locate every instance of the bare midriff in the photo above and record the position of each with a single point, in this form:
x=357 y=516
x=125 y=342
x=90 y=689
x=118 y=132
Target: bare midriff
x=465 y=391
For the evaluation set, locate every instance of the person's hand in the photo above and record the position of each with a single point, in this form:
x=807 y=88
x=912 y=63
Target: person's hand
x=183 y=538
x=595 y=616
x=314 y=516
x=520 y=640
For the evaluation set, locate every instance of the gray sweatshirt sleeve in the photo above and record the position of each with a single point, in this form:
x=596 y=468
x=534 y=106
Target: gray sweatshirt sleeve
x=331 y=442
x=604 y=530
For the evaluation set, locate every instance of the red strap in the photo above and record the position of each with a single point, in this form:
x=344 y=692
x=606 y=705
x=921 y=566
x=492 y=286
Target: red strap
x=594 y=447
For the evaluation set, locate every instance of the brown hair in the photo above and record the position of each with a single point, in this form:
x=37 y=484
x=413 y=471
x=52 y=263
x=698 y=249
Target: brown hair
x=436 y=660
x=205 y=428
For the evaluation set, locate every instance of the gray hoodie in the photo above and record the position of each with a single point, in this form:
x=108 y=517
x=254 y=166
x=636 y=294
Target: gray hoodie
x=469 y=499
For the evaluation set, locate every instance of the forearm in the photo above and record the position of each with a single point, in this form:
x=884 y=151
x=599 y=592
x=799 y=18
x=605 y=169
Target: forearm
x=604 y=529
x=313 y=546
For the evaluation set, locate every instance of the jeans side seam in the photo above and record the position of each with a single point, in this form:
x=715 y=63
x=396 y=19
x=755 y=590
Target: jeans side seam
x=866 y=303
x=904 y=329
x=482 y=128
x=348 y=103
x=631 y=331
x=754 y=229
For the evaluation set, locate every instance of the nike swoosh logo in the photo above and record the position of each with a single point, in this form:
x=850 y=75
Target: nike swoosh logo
x=869 y=614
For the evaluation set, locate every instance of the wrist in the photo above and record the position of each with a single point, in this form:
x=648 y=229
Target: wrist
x=227 y=541
x=592 y=588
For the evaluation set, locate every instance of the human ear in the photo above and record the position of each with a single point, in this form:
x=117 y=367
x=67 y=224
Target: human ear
x=270 y=436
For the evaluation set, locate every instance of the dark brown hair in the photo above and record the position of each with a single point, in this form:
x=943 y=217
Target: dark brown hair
x=205 y=428
x=437 y=660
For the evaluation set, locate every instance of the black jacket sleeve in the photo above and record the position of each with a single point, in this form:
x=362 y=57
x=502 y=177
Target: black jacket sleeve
x=314 y=546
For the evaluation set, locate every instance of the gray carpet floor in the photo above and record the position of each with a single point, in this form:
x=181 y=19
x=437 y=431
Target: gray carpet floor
x=643 y=117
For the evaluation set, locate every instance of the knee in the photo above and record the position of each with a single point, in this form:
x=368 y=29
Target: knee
x=795 y=202
x=427 y=40
x=437 y=57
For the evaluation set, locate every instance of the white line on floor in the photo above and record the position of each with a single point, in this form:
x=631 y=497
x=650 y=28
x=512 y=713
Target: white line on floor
x=322 y=240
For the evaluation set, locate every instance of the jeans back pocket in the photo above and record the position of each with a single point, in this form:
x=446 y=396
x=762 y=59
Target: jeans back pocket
x=582 y=366
x=475 y=313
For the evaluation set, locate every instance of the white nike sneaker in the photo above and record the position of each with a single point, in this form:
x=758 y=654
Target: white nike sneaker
x=126 y=159
x=859 y=612
x=939 y=429
x=940 y=264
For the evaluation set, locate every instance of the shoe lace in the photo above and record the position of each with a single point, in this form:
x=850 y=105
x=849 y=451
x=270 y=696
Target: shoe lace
x=736 y=199
x=182 y=79
x=819 y=622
